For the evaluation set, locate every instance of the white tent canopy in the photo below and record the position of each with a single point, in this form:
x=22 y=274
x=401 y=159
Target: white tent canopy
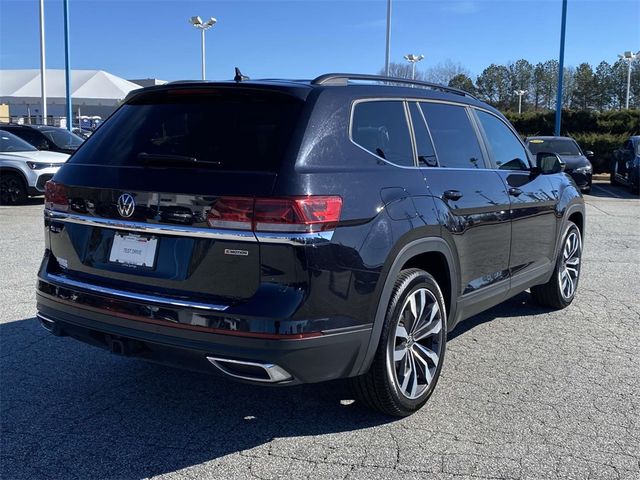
x=88 y=87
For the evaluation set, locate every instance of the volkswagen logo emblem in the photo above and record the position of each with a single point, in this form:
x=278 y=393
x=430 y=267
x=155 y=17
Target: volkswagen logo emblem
x=126 y=205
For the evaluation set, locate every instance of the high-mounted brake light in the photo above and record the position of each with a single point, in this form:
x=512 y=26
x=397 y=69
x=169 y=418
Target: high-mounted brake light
x=55 y=196
x=288 y=214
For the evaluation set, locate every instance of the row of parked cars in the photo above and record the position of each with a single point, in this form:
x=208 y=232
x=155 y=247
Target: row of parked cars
x=29 y=156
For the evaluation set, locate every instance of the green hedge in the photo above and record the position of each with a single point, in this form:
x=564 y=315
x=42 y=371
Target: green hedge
x=543 y=123
x=600 y=132
x=602 y=145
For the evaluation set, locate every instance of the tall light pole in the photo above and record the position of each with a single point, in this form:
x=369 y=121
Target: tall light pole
x=43 y=68
x=561 y=68
x=67 y=65
x=388 y=42
x=520 y=94
x=413 y=59
x=629 y=57
x=203 y=27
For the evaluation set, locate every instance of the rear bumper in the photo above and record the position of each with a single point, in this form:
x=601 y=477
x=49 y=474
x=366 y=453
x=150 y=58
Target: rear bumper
x=329 y=355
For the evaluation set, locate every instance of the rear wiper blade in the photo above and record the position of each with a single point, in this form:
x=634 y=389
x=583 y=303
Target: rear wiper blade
x=171 y=158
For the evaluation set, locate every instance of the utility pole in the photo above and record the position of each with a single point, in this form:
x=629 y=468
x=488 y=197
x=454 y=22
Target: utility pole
x=561 y=68
x=43 y=68
x=67 y=66
x=388 y=42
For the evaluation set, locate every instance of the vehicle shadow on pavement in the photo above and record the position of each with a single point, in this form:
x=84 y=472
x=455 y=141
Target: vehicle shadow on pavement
x=606 y=190
x=69 y=410
x=521 y=305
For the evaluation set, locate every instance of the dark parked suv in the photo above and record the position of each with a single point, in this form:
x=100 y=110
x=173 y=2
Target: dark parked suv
x=45 y=137
x=283 y=232
x=577 y=163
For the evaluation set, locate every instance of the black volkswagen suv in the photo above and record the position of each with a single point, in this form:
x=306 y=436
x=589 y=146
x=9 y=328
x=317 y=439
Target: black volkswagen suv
x=282 y=232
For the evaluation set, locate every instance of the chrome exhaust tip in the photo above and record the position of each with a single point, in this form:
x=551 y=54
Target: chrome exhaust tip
x=253 y=371
x=49 y=325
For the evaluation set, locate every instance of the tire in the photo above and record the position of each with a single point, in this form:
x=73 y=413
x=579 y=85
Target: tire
x=13 y=191
x=614 y=170
x=401 y=387
x=560 y=290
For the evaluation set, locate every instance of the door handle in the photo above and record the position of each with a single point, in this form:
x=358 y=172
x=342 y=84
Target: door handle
x=515 y=192
x=452 y=195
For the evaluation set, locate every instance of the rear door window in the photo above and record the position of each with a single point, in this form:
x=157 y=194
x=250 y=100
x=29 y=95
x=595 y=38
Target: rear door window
x=220 y=128
x=453 y=135
x=381 y=128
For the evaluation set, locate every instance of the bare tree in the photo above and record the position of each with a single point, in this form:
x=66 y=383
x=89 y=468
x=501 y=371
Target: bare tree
x=444 y=71
x=401 y=70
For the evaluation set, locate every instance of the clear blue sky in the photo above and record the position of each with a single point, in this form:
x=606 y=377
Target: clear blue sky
x=300 y=39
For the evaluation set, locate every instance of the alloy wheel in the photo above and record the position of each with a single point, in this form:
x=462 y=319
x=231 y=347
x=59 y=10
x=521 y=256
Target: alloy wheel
x=569 y=270
x=417 y=343
x=10 y=190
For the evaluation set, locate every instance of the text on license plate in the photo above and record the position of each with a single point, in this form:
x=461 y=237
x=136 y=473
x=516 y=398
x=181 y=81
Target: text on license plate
x=133 y=250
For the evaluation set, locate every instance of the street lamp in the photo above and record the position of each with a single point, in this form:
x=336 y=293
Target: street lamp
x=520 y=93
x=629 y=57
x=202 y=26
x=413 y=59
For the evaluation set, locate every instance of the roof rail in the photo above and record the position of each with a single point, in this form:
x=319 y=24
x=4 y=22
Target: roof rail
x=343 y=79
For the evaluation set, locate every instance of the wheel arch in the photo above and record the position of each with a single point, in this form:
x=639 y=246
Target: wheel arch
x=431 y=254
x=17 y=171
x=20 y=173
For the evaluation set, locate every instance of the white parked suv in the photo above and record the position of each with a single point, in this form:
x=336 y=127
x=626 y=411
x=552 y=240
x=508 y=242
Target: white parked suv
x=23 y=169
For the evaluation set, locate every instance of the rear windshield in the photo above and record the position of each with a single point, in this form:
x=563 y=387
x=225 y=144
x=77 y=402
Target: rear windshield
x=559 y=146
x=220 y=128
x=63 y=138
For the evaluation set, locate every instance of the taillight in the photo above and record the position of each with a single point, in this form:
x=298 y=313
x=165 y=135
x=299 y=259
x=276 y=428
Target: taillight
x=55 y=196
x=304 y=214
x=292 y=214
x=231 y=212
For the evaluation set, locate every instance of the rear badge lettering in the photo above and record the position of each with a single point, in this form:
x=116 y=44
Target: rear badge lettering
x=241 y=253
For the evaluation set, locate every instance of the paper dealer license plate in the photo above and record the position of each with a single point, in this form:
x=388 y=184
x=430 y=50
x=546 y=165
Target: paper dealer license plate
x=133 y=250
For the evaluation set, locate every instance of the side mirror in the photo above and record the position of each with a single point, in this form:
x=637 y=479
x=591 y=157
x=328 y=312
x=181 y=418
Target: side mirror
x=548 y=163
x=42 y=145
x=588 y=154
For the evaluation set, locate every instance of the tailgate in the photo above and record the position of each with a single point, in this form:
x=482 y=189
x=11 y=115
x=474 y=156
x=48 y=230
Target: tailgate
x=163 y=244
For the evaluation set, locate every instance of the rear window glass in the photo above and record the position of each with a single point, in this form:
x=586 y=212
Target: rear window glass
x=63 y=138
x=559 y=146
x=381 y=128
x=221 y=129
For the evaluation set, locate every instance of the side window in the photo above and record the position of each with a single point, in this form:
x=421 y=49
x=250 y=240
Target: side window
x=508 y=152
x=381 y=128
x=426 y=153
x=453 y=135
x=33 y=138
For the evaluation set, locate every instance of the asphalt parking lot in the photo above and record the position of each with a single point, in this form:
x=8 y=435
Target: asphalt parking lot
x=525 y=393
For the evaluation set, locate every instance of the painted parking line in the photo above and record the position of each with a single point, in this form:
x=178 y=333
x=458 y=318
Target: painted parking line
x=606 y=191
